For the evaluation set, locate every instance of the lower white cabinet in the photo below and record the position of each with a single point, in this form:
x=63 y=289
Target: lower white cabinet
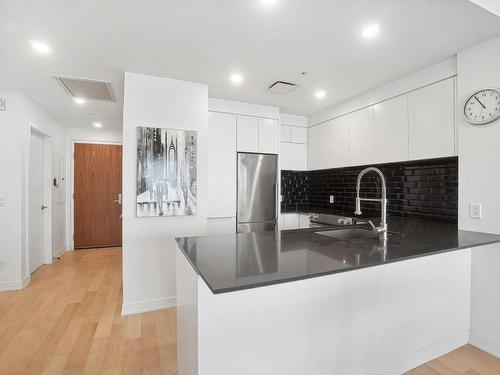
x=293 y=220
x=219 y=226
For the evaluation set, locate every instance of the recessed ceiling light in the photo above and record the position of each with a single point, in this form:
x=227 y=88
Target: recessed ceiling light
x=236 y=78
x=320 y=94
x=40 y=47
x=371 y=31
x=97 y=124
x=79 y=100
x=268 y=2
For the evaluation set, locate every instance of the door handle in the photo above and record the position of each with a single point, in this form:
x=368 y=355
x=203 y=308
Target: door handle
x=44 y=207
x=119 y=199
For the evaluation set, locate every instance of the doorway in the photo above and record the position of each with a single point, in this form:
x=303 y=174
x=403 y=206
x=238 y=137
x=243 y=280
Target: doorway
x=37 y=207
x=97 y=195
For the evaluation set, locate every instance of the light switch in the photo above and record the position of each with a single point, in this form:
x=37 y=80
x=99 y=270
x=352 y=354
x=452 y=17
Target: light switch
x=3 y=201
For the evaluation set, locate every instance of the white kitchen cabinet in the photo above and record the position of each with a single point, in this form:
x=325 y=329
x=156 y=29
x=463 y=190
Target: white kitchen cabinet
x=248 y=134
x=293 y=156
x=361 y=136
x=431 y=113
x=221 y=165
x=329 y=144
x=304 y=221
x=222 y=225
x=390 y=130
x=290 y=220
x=268 y=136
x=298 y=134
x=286 y=133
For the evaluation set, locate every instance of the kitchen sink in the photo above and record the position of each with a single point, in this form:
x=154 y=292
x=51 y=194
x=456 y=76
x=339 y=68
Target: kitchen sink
x=350 y=233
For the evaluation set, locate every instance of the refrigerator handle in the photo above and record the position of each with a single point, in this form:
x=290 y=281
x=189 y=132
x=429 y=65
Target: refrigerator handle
x=276 y=205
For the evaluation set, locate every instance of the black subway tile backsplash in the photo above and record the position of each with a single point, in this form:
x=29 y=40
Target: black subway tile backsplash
x=423 y=188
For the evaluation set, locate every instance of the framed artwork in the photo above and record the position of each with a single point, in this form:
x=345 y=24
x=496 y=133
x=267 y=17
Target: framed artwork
x=166 y=172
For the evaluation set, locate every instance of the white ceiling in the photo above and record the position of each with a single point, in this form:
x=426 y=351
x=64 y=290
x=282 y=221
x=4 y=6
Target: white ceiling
x=206 y=40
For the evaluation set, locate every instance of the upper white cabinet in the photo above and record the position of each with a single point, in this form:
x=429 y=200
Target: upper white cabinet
x=293 y=156
x=286 y=133
x=328 y=145
x=248 y=133
x=431 y=113
x=361 y=136
x=257 y=135
x=298 y=134
x=390 y=130
x=221 y=165
x=269 y=134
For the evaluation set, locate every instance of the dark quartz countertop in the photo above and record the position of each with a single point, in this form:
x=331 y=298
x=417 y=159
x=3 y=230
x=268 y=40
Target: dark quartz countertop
x=249 y=260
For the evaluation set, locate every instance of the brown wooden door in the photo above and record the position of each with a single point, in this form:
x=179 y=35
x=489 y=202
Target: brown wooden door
x=98 y=183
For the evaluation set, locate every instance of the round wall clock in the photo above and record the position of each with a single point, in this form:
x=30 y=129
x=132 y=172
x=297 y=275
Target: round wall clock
x=483 y=107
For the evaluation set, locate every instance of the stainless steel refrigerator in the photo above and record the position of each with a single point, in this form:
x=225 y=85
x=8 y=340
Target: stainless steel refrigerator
x=257 y=192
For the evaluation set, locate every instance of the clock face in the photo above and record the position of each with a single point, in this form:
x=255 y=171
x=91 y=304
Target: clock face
x=483 y=107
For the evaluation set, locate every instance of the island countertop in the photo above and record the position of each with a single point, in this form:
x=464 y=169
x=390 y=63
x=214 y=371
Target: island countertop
x=248 y=260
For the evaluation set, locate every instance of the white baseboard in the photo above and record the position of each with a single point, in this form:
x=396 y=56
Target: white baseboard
x=414 y=360
x=485 y=344
x=59 y=252
x=148 y=305
x=15 y=285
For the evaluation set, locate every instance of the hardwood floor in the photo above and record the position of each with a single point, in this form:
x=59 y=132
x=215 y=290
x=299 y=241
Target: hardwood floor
x=67 y=321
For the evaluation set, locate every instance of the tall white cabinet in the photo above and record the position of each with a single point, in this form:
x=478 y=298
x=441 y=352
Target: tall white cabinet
x=221 y=173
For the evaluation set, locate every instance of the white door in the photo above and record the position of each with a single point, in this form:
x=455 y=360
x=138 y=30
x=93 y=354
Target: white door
x=36 y=204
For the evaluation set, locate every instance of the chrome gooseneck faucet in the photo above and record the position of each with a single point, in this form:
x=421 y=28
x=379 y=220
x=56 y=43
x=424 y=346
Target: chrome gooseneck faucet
x=382 y=229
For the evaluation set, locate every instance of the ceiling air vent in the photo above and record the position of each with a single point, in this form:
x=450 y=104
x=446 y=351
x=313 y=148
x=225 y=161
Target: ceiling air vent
x=87 y=88
x=280 y=87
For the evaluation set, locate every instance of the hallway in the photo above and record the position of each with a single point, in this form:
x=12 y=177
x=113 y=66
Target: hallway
x=67 y=321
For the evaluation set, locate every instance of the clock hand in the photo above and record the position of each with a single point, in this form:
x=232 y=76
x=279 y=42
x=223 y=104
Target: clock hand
x=480 y=102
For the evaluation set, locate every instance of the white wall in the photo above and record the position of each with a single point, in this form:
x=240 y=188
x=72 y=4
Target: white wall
x=81 y=135
x=479 y=154
x=148 y=243
x=22 y=114
x=421 y=78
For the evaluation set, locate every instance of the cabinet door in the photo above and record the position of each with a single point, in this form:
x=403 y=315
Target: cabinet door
x=221 y=165
x=328 y=144
x=298 y=135
x=432 y=120
x=248 y=134
x=269 y=136
x=361 y=137
x=390 y=130
x=290 y=221
x=304 y=221
x=285 y=133
x=293 y=156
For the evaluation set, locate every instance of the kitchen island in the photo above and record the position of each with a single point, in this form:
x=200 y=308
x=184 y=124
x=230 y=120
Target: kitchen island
x=302 y=302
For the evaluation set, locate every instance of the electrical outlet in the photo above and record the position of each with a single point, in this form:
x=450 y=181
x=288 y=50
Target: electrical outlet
x=476 y=211
x=332 y=199
x=3 y=201
x=3 y=263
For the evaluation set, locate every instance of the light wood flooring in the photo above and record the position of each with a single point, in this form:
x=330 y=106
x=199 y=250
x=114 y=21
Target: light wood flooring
x=67 y=321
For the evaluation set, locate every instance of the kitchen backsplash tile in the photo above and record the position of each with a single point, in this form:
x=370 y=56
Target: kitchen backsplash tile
x=423 y=188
